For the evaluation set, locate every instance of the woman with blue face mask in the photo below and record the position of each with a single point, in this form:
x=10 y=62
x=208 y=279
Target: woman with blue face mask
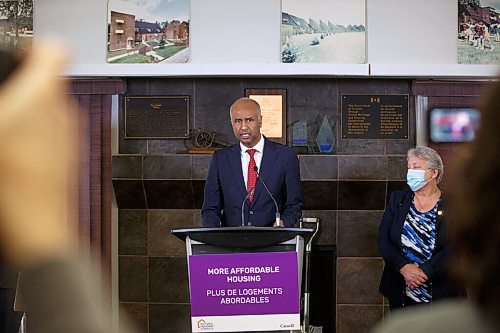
x=412 y=236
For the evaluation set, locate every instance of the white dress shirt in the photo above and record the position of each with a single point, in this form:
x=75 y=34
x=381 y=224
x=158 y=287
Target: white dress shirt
x=245 y=157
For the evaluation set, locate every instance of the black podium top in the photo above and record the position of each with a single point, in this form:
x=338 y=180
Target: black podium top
x=243 y=236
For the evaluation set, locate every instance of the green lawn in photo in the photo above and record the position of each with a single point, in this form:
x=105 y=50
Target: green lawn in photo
x=115 y=53
x=5 y=42
x=468 y=54
x=24 y=43
x=166 y=52
x=169 y=51
x=118 y=52
x=132 y=59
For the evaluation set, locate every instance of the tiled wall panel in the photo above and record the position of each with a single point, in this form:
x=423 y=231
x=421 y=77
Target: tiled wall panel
x=159 y=186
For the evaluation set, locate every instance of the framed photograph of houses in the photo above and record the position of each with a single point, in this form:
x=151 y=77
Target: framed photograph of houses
x=273 y=109
x=323 y=31
x=148 y=31
x=16 y=24
x=479 y=32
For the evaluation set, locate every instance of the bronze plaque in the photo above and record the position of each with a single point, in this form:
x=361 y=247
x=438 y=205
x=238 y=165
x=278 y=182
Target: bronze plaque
x=375 y=117
x=165 y=117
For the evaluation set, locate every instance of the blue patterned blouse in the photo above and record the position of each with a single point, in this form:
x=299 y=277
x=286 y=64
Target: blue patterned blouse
x=419 y=238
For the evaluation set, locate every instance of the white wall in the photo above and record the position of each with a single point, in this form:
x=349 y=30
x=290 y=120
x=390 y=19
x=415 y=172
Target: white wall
x=83 y=24
x=241 y=37
x=235 y=31
x=412 y=31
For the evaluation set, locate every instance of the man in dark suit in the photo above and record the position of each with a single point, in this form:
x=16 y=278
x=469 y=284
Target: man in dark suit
x=234 y=172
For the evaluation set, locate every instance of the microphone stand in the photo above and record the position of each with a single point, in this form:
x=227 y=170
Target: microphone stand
x=243 y=206
x=277 y=221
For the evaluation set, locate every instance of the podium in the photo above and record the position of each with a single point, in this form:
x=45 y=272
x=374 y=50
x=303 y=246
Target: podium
x=245 y=278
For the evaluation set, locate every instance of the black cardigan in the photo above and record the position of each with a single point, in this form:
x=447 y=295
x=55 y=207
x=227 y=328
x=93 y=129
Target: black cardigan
x=392 y=284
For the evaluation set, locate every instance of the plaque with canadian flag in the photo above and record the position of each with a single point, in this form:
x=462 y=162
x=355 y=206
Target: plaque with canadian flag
x=379 y=117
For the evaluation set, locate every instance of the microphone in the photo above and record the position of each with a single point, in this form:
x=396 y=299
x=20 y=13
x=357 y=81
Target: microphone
x=278 y=217
x=243 y=206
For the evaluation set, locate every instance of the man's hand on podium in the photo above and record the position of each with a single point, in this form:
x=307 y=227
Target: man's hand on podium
x=279 y=225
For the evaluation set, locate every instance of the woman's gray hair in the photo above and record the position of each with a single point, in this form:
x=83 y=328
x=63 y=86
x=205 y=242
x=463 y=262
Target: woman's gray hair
x=432 y=158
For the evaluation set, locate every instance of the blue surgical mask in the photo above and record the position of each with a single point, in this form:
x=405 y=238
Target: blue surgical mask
x=416 y=179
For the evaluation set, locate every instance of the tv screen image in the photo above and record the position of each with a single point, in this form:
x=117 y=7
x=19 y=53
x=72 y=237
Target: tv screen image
x=453 y=125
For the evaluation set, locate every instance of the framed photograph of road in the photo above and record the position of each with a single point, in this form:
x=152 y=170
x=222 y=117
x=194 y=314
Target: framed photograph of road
x=273 y=110
x=323 y=31
x=16 y=25
x=479 y=32
x=148 y=31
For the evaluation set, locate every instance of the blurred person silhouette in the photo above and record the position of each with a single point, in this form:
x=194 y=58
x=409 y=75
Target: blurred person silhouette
x=38 y=177
x=10 y=319
x=413 y=240
x=475 y=238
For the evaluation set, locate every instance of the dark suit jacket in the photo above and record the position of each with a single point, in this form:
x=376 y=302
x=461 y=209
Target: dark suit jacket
x=225 y=188
x=392 y=284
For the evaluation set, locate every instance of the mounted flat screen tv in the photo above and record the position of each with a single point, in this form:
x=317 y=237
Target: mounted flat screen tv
x=453 y=125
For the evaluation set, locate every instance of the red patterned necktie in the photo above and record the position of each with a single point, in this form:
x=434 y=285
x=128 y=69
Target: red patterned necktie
x=252 y=174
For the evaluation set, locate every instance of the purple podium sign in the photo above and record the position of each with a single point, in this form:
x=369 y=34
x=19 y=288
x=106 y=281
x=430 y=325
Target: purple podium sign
x=244 y=285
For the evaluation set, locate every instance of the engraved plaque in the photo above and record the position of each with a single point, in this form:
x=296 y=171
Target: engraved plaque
x=375 y=117
x=165 y=117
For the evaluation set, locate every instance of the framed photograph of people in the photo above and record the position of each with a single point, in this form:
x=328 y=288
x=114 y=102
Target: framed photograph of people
x=478 y=32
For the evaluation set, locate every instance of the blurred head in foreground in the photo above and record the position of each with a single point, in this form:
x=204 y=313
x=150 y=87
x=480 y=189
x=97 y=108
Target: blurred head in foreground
x=475 y=230
x=38 y=164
